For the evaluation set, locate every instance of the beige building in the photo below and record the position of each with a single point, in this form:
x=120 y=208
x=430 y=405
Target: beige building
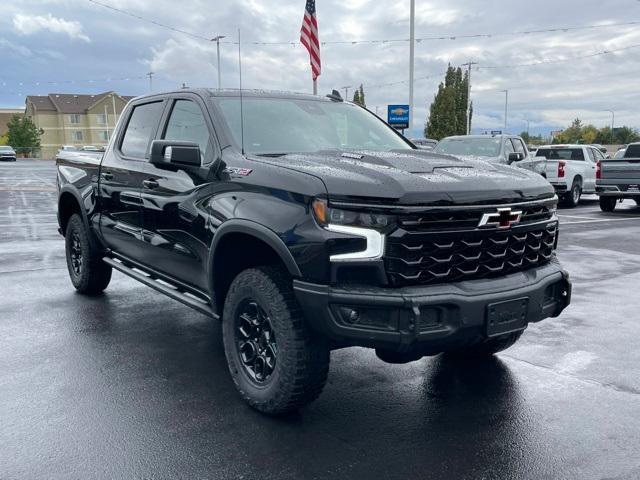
x=68 y=119
x=5 y=116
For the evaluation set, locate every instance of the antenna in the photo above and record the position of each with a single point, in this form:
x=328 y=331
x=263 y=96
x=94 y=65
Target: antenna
x=241 y=111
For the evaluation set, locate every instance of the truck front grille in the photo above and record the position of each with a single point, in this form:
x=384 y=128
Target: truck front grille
x=420 y=257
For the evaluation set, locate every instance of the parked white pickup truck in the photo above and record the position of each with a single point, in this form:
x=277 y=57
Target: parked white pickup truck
x=571 y=169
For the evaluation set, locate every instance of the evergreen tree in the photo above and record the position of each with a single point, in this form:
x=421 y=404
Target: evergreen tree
x=358 y=96
x=448 y=111
x=23 y=133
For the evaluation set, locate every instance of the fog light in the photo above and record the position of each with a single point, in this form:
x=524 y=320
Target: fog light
x=354 y=316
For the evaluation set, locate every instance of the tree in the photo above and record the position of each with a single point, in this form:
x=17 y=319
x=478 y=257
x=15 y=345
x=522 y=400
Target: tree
x=358 y=97
x=625 y=135
x=448 y=111
x=23 y=133
x=526 y=137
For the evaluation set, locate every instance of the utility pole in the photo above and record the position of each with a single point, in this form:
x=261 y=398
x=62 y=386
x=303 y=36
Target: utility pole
x=346 y=92
x=506 y=106
x=150 y=75
x=217 y=40
x=412 y=41
x=468 y=65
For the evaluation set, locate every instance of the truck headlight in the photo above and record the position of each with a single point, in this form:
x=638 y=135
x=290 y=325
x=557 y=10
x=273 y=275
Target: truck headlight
x=358 y=224
x=326 y=215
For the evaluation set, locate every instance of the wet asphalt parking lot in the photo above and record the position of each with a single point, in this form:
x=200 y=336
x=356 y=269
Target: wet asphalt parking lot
x=132 y=384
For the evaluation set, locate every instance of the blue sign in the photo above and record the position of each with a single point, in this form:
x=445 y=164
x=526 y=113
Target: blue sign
x=496 y=132
x=398 y=116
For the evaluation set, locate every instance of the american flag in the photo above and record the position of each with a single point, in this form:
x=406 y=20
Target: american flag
x=309 y=37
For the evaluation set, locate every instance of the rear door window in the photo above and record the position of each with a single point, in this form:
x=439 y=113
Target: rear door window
x=519 y=146
x=141 y=127
x=592 y=155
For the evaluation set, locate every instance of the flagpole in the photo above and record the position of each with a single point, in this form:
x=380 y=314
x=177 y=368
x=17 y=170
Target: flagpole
x=315 y=86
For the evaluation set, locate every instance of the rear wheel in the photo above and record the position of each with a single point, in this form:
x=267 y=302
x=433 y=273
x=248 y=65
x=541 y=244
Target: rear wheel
x=608 y=204
x=572 y=198
x=88 y=273
x=487 y=347
x=276 y=362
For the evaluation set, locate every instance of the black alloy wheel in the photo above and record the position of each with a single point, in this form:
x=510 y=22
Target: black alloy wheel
x=256 y=342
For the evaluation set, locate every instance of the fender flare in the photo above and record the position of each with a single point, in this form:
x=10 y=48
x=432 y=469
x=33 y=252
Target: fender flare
x=258 y=231
x=68 y=189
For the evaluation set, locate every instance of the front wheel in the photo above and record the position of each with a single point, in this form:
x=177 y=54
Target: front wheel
x=487 y=347
x=608 y=204
x=276 y=362
x=88 y=273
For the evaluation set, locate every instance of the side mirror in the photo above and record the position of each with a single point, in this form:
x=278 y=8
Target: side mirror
x=515 y=157
x=172 y=154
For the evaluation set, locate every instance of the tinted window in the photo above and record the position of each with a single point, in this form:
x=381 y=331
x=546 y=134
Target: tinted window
x=633 y=151
x=561 y=153
x=187 y=124
x=288 y=125
x=142 y=125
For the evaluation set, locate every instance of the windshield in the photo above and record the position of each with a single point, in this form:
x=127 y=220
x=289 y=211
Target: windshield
x=282 y=125
x=480 y=147
x=5 y=149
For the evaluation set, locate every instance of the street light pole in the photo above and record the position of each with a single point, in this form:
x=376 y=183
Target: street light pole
x=217 y=40
x=613 y=117
x=412 y=41
x=346 y=92
x=506 y=109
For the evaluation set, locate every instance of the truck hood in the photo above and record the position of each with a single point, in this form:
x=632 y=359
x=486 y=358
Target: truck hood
x=415 y=177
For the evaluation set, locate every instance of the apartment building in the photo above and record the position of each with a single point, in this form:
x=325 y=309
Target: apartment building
x=71 y=119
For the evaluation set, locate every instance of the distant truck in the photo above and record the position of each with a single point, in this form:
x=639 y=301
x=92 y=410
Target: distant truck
x=619 y=178
x=571 y=169
x=504 y=149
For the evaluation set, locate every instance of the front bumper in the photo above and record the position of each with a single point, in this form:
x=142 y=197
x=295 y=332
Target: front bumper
x=436 y=318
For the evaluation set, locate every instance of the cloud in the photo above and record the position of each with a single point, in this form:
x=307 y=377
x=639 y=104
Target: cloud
x=30 y=24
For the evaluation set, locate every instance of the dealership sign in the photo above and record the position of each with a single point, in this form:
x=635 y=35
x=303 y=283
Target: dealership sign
x=398 y=116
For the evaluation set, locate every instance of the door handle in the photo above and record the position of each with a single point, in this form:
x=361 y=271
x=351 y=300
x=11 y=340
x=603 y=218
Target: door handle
x=150 y=184
x=107 y=175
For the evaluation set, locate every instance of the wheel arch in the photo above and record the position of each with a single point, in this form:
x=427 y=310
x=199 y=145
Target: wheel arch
x=239 y=244
x=68 y=204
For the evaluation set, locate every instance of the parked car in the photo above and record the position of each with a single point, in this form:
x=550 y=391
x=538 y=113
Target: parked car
x=424 y=143
x=504 y=149
x=7 y=154
x=571 y=169
x=308 y=224
x=619 y=178
x=620 y=153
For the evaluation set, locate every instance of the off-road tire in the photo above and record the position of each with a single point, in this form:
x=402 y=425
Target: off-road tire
x=572 y=197
x=487 y=347
x=302 y=360
x=608 y=204
x=89 y=274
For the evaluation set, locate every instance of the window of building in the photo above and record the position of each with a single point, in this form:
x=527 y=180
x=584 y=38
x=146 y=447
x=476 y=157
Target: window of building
x=187 y=124
x=77 y=136
x=141 y=127
x=101 y=118
x=103 y=135
x=74 y=119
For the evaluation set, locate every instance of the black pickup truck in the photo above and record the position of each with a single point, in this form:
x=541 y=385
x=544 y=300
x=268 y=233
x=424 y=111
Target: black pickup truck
x=307 y=224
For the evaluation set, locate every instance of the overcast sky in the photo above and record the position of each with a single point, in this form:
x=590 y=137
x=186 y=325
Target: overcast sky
x=65 y=40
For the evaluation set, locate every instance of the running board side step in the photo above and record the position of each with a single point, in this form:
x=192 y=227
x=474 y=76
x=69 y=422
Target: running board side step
x=162 y=286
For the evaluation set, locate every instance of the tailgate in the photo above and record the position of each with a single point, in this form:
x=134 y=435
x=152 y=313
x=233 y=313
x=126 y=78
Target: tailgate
x=625 y=170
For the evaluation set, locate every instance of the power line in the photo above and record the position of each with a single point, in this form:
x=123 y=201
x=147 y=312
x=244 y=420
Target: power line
x=374 y=41
x=560 y=60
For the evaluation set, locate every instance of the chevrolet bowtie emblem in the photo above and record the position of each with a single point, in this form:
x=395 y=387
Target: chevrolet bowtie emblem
x=503 y=218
